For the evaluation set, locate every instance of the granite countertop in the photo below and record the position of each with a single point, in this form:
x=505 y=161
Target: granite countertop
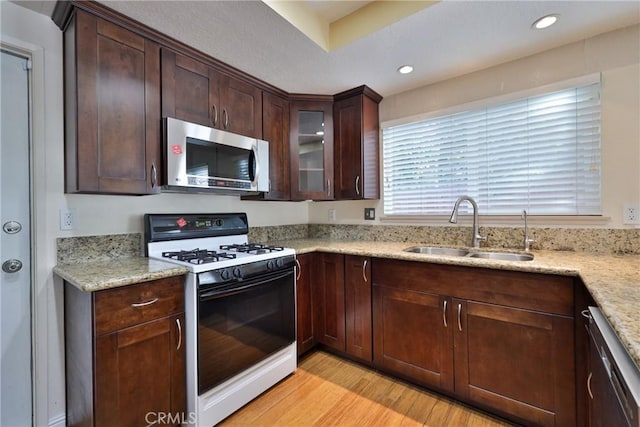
x=612 y=280
x=100 y=275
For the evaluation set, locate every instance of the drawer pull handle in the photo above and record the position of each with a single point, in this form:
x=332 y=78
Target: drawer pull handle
x=143 y=304
x=444 y=314
x=459 y=323
x=179 y=334
x=589 y=385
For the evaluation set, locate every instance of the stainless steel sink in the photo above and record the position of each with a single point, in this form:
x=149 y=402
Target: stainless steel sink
x=503 y=256
x=436 y=250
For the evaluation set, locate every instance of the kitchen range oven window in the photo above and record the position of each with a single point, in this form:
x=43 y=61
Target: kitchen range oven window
x=241 y=326
x=540 y=153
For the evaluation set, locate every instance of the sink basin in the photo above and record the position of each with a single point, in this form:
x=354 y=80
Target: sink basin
x=435 y=250
x=503 y=256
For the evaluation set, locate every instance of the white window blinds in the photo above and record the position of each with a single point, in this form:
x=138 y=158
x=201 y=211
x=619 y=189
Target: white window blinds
x=541 y=153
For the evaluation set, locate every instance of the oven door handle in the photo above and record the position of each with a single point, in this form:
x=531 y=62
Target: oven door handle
x=214 y=294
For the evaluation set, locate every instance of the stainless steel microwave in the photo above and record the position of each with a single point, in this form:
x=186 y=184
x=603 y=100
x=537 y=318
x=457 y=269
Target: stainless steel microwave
x=200 y=158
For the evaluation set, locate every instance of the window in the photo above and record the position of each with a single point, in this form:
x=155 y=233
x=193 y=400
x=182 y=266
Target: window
x=540 y=153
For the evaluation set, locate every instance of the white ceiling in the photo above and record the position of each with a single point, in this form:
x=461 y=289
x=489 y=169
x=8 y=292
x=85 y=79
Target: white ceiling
x=442 y=41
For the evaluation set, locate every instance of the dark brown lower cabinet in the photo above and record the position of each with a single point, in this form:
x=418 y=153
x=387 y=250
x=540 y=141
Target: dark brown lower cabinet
x=412 y=337
x=125 y=354
x=501 y=340
x=304 y=304
x=333 y=295
x=328 y=289
x=519 y=362
x=357 y=287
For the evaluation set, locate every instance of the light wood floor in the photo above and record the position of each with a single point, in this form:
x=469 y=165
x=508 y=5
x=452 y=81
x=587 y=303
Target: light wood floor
x=329 y=391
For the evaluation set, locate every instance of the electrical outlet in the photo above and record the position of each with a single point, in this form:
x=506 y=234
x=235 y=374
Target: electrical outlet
x=631 y=214
x=332 y=215
x=67 y=219
x=369 y=213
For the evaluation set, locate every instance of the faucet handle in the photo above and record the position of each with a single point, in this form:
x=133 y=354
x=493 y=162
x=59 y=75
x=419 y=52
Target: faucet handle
x=527 y=244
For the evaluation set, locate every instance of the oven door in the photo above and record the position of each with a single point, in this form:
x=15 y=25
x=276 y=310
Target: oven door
x=243 y=324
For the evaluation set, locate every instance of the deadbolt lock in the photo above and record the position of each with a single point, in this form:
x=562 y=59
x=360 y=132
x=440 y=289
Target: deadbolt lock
x=12 y=266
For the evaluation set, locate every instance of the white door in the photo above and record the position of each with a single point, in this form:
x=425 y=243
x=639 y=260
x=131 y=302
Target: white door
x=15 y=250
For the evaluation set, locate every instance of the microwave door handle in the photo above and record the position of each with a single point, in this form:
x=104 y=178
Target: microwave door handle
x=254 y=166
x=209 y=295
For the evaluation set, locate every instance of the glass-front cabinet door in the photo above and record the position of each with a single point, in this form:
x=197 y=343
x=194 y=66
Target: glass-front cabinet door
x=311 y=150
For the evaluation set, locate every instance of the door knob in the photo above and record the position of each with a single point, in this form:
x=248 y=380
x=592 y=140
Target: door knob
x=12 y=227
x=12 y=266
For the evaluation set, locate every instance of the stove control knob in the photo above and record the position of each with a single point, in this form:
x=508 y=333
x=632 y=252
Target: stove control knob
x=280 y=262
x=237 y=273
x=270 y=265
x=224 y=274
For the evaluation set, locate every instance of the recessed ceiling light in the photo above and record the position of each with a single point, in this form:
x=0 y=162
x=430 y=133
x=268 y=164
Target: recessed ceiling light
x=545 y=21
x=405 y=69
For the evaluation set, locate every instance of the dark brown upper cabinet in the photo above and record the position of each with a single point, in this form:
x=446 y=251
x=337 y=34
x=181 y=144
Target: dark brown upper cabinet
x=196 y=92
x=356 y=158
x=122 y=77
x=112 y=108
x=311 y=150
x=275 y=129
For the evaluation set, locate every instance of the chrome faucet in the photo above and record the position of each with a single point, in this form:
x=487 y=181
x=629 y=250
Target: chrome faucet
x=475 y=241
x=527 y=240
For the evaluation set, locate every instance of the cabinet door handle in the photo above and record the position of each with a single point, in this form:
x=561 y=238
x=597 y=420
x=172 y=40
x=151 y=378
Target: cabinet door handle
x=154 y=175
x=444 y=314
x=364 y=270
x=226 y=118
x=179 y=334
x=358 y=185
x=143 y=304
x=459 y=322
x=299 y=268
x=214 y=114
x=589 y=385
x=328 y=187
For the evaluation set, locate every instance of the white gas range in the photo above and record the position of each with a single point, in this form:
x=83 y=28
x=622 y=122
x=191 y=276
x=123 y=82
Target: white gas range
x=239 y=308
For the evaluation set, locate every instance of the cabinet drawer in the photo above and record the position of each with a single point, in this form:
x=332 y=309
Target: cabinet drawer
x=530 y=291
x=126 y=306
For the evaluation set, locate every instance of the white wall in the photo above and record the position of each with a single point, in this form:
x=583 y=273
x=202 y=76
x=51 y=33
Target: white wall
x=95 y=214
x=615 y=54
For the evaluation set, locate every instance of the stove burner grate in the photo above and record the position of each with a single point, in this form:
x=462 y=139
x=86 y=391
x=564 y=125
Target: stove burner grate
x=198 y=256
x=252 y=248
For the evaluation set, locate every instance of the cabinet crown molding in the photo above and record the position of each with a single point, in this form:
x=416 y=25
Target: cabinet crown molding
x=360 y=90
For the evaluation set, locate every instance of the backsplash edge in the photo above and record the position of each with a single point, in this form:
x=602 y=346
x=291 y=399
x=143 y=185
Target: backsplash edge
x=595 y=240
